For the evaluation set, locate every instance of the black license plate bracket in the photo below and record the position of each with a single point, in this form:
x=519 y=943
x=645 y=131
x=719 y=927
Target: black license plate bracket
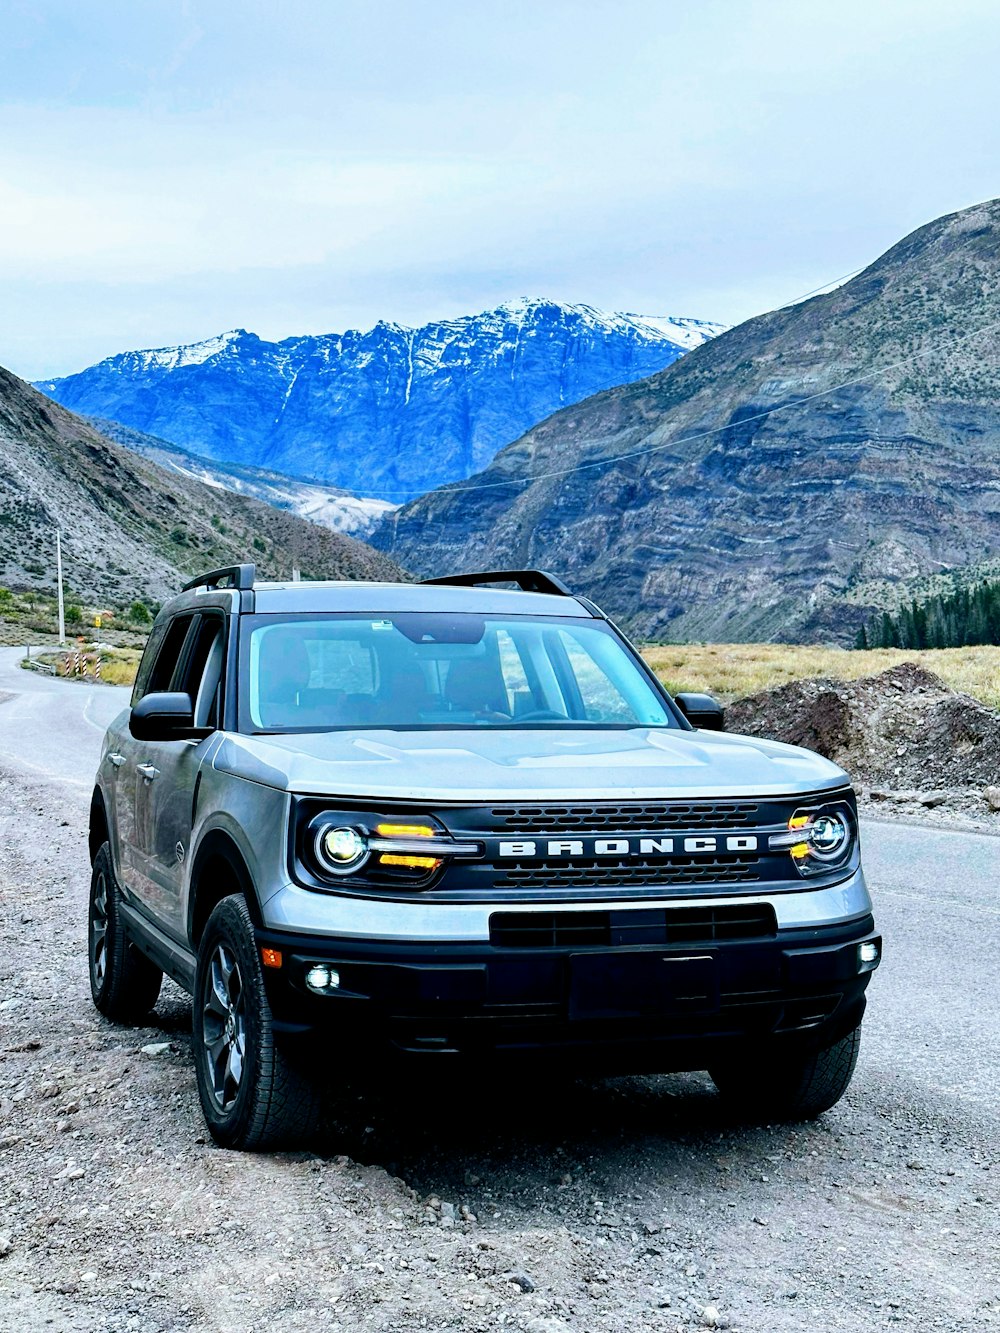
x=641 y=984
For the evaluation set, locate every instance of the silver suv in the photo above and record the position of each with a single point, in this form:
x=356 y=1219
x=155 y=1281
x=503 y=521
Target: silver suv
x=449 y=820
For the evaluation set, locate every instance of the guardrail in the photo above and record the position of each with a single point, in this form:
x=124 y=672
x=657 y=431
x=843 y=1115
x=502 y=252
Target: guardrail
x=32 y=664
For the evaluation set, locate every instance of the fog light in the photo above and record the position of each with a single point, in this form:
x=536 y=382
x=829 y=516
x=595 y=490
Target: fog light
x=322 y=978
x=869 y=954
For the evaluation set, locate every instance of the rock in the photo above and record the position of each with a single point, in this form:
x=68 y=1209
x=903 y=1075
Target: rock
x=521 y=1280
x=992 y=796
x=932 y=798
x=6 y=1245
x=156 y=1048
x=711 y=1318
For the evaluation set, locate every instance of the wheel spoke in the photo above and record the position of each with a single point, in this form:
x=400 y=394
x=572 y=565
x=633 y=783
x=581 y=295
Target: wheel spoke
x=218 y=997
x=234 y=1066
x=226 y=966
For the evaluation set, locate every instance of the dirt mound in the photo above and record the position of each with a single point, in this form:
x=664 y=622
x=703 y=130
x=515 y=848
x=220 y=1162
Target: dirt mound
x=902 y=729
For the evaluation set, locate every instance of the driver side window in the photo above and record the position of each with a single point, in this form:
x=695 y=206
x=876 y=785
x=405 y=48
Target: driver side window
x=164 y=653
x=202 y=672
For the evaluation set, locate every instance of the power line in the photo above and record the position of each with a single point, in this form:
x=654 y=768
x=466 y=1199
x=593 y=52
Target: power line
x=816 y=290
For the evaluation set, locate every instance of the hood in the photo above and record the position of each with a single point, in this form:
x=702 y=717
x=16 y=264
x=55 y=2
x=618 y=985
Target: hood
x=481 y=766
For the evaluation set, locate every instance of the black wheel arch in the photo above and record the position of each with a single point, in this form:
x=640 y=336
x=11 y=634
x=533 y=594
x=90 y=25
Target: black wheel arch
x=100 y=830
x=219 y=870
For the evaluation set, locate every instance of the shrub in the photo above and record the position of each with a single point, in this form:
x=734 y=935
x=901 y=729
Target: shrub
x=74 y=614
x=138 y=613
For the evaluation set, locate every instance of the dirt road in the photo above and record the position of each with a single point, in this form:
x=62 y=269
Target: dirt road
x=630 y=1204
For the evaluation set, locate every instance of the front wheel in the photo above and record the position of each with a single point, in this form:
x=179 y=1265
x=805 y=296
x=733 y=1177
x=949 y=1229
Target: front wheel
x=768 y=1085
x=252 y=1095
x=123 y=982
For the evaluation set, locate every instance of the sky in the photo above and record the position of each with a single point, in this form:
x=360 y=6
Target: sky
x=175 y=168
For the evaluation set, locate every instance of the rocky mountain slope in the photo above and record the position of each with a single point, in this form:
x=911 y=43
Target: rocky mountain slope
x=390 y=412
x=130 y=528
x=328 y=505
x=780 y=479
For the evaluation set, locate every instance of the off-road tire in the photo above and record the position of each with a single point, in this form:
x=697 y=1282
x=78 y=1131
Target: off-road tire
x=769 y=1086
x=272 y=1103
x=124 y=983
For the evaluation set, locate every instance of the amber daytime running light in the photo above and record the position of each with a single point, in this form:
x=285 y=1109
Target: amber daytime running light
x=818 y=840
x=342 y=849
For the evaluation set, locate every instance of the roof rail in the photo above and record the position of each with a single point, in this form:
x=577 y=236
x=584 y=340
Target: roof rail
x=528 y=580
x=240 y=577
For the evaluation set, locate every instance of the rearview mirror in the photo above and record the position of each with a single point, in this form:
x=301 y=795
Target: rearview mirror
x=701 y=710
x=165 y=717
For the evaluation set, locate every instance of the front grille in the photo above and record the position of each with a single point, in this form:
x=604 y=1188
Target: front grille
x=736 y=868
x=666 y=926
x=634 y=817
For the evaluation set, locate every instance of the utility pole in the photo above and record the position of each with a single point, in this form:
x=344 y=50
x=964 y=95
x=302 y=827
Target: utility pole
x=62 y=616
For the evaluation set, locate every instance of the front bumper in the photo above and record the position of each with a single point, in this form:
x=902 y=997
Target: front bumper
x=667 y=1006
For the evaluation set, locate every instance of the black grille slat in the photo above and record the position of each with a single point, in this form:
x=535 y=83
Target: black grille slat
x=736 y=868
x=627 y=817
x=611 y=929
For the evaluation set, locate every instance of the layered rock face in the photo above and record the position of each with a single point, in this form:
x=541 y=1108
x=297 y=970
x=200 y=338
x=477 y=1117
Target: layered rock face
x=779 y=481
x=390 y=412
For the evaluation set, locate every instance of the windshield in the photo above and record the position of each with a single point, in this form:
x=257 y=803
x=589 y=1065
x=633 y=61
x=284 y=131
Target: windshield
x=411 y=670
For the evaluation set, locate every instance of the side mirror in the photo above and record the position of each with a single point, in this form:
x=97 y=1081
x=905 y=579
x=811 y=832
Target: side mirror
x=701 y=710
x=165 y=717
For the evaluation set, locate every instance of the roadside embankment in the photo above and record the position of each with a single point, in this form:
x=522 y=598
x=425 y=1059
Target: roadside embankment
x=910 y=742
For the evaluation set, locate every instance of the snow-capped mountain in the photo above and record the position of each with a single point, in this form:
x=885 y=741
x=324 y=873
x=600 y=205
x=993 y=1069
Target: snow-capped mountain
x=389 y=412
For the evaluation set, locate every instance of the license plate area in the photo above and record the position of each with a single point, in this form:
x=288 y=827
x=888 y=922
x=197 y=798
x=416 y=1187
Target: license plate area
x=641 y=984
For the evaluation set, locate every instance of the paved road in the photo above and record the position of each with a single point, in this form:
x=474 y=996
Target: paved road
x=626 y=1204
x=52 y=728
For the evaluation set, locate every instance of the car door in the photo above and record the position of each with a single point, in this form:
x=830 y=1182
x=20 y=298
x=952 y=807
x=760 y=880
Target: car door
x=156 y=670
x=169 y=771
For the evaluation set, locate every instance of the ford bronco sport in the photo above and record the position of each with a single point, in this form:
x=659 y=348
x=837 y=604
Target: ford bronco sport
x=446 y=819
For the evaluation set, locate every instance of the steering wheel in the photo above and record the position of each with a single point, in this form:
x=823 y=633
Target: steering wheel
x=542 y=715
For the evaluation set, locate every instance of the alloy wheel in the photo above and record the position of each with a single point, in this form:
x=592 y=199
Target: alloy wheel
x=224 y=1027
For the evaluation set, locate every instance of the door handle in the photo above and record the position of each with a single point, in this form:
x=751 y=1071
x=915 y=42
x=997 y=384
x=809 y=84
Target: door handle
x=148 y=771
x=116 y=759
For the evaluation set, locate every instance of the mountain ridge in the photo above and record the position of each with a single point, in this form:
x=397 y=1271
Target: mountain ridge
x=772 y=470
x=387 y=412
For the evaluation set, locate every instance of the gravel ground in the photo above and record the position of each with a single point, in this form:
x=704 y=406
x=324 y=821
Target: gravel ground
x=541 y=1206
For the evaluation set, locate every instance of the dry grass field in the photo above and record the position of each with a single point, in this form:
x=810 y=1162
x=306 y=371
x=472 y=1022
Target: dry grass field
x=731 y=670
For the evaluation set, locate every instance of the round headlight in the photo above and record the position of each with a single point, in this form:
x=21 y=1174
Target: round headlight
x=340 y=849
x=828 y=836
